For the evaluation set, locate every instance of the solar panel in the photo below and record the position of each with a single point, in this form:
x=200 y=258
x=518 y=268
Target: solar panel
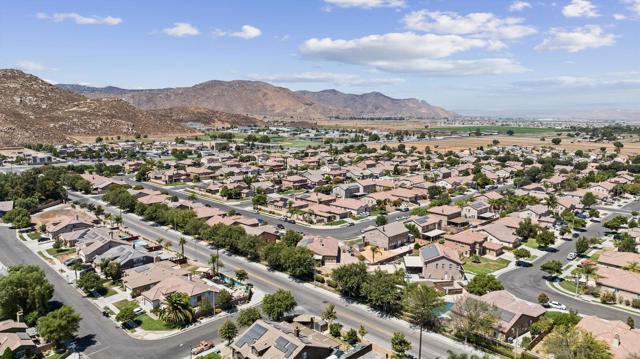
x=429 y=252
x=506 y=315
x=251 y=335
x=285 y=346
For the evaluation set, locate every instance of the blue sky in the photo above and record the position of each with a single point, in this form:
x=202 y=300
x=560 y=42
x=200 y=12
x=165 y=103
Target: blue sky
x=472 y=56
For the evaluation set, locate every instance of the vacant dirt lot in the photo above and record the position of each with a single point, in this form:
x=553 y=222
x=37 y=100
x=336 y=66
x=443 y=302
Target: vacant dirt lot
x=462 y=143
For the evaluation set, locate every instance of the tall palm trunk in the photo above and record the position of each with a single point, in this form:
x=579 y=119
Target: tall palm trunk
x=420 y=345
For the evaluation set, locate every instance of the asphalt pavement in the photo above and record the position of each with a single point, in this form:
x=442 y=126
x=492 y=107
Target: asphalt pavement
x=527 y=283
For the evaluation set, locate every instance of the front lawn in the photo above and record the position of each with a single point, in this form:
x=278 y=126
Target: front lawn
x=34 y=235
x=531 y=243
x=123 y=303
x=568 y=285
x=145 y=322
x=60 y=252
x=485 y=266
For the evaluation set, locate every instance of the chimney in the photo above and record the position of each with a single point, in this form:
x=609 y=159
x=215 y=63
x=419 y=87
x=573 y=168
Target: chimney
x=19 y=315
x=296 y=332
x=616 y=341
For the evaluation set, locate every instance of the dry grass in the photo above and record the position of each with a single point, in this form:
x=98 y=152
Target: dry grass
x=462 y=143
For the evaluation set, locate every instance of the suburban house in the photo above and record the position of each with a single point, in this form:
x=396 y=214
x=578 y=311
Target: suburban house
x=346 y=190
x=84 y=235
x=126 y=256
x=438 y=265
x=516 y=315
x=429 y=226
x=13 y=336
x=88 y=251
x=617 y=259
x=501 y=234
x=355 y=206
x=467 y=243
x=139 y=279
x=623 y=283
x=281 y=340
x=325 y=249
x=477 y=210
x=448 y=214
x=195 y=288
x=389 y=236
x=623 y=340
x=294 y=182
x=66 y=224
x=268 y=233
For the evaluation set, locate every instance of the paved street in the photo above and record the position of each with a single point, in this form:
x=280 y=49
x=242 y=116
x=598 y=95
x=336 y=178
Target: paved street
x=528 y=283
x=310 y=298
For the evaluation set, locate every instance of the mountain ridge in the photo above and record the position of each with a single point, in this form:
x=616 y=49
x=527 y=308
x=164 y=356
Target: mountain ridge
x=258 y=98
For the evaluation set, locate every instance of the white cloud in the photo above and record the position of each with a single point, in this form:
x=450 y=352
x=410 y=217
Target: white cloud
x=480 y=24
x=30 y=66
x=391 y=46
x=519 y=5
x=339 y=79
x=572 y=82
x=366 y=4
x=410 y=52
x=80 y=19
x=620 y=16
x=580 y=8
x=581 y=38
x=634 y=6
x=247 y=32
x=181 y=29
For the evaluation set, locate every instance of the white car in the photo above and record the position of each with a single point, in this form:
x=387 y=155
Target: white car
x=571 y=256
x=556 y=305
x=138 y=311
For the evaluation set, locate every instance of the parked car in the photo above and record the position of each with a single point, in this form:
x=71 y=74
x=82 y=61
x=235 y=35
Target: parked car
x=571 y=256
x=280 y=226
x=138 y=311
x=71 y=261
x=351 y=224
x=556 y=305
x=202 y=347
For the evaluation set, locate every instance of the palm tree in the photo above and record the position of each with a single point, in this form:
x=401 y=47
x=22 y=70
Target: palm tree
x=374 y=249
x=329 y=314
x=182 y=242
x=589 y=270
x=118 y=220
x=420 y=305
x=160 y=240
x=215 y=262
x=76 y=266
x=177 y=310
x=551 y=201
x=166 y=245
x=108 y=217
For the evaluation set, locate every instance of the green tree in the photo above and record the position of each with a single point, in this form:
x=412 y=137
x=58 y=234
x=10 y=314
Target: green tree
x=553 y=267
x=19 y=217
x=571 y=343
x=472 y=317
x=382 y=291
x=228 y=331
x=126 y=313
x=242 y=275
x=26 y=288
x=90 y=282
x=182 y=241
x=521 y=253
x=556 y=141
x=589 y=199
x=543 y=299
x=582 y=245
x=374 y=249
x=277 y=304
x=526 y=229
x=259 y=200
x=59 y=325
x=400 y=345
x=545 y=238
x=626 y=243
x=8 y=354
x=291 y=238
x=420 y=305
x=248 y=316
x=351 y=337
x=350 y=278
x=381 y=220
x=225 y=300
x=177 y=310
x=631 y=323
x=335 y=330
x=482 y=284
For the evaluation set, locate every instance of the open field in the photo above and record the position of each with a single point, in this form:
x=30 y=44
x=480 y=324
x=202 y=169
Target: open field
x=462 y=143
x=500 y=129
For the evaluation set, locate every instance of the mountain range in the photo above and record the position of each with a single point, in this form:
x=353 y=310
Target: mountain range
x=255 y=98
x=35 y=111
